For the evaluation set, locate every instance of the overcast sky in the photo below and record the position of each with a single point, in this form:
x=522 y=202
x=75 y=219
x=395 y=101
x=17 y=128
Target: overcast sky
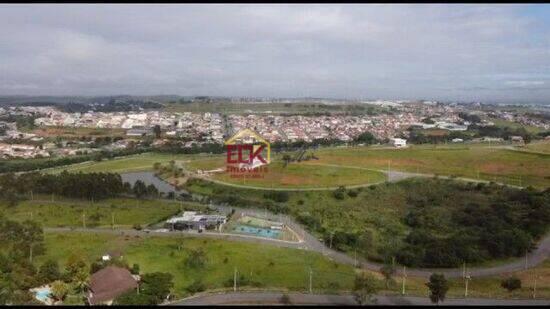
x=456 y=52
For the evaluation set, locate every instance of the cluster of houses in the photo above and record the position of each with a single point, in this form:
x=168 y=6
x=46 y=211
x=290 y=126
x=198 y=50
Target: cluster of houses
x=22 y=151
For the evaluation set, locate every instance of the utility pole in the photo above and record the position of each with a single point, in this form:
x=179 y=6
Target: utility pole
x=112 y=220
x=404 y=278
x=235 y=280
x=464 y=270
x=310 y=281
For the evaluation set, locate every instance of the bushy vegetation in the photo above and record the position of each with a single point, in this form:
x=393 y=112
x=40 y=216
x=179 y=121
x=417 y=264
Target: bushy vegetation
x=420 y=222
x=502 y=132
x=227 y=195
x=17 y=273
x=491 y=223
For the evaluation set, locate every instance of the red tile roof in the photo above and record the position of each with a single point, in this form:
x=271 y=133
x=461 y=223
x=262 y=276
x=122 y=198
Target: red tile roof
x=109 y=283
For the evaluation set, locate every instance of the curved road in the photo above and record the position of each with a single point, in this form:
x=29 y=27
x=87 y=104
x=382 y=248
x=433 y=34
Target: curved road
x=275 y=298
x=309 y=242
x=392 y=176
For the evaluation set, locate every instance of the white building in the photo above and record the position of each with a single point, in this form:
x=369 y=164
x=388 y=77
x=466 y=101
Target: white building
x=398 y=142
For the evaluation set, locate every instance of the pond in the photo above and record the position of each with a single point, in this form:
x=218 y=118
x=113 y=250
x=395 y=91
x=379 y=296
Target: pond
x=149 y=178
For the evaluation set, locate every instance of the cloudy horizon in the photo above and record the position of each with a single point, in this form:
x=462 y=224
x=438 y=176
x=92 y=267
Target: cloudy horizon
x=490 y=53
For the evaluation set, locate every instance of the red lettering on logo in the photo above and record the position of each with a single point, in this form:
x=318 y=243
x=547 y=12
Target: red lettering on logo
x=258 y=154
x=230 y=149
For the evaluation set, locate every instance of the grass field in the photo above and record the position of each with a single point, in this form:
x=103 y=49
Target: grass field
x=475 y=161
x=542 y=146
x=375 y=214
x=133 y=163
x=515 y=125
x=69 y=213
x=472 y=161
x=271 y=267
x=295 y=175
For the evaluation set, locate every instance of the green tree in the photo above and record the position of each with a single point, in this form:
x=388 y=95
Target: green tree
x=286 y=159
x=59 y=290
x=438 y=286
x=511 y=283
x=364 y=288
x=81 y=280
x=75 y=264
x=157 y=285
x=387 y=270
x=196 y=286
x=156 y=166
x=157 y=131
x=133 y=298
x=139 y=189
x=49 y=271
x=135 y=269
x=366 y=138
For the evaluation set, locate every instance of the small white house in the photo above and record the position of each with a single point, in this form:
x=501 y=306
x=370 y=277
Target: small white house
x=398 y=142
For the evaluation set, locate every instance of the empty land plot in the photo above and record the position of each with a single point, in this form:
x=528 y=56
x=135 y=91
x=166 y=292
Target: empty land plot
x=76 y=213
x=264 y=266
x=483 y=162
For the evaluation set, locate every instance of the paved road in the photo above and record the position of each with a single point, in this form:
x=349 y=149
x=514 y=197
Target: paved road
x=309 y=242
x=312 y=243
x=274 y=298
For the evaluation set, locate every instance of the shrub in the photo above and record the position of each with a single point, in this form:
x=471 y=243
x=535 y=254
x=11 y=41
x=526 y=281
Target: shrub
x=195 y=287
x=196 y=259
x=511 y=283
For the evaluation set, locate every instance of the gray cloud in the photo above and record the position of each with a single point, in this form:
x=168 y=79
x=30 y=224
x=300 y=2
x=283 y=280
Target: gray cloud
x=375 y=51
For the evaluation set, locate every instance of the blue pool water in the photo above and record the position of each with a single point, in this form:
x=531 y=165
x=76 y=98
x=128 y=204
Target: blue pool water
x=257 y=231
x=43 y=295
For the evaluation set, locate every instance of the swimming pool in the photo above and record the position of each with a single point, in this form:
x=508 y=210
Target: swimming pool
x=257 y=231
x=43 y=294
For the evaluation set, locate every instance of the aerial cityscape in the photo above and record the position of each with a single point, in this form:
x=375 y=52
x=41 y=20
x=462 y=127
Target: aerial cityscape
x=274 y=155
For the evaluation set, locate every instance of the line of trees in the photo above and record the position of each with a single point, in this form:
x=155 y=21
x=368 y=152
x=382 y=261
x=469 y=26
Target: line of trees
x=91 y=186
